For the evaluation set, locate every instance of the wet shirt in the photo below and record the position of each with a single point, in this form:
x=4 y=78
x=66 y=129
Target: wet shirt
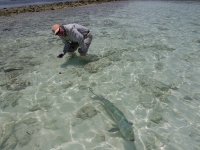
x=74 y=33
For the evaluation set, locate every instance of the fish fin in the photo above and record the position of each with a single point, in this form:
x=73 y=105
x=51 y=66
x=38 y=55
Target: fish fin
x=96 y=98
x=130 y=123
x=114 y=129
x=96 y=95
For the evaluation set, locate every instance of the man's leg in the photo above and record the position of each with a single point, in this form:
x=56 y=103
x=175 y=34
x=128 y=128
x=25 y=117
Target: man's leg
x=87 y=42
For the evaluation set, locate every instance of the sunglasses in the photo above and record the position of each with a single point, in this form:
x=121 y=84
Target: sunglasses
x=61 y=31
x=58 y=32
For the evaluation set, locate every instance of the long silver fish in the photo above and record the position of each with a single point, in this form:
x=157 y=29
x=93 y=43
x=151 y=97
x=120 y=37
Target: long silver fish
x=123 y=125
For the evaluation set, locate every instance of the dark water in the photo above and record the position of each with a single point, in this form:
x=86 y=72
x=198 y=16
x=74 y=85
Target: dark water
x=17 y=3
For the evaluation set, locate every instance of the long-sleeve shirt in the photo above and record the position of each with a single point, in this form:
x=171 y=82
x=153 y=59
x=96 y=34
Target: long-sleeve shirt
x=74 y=33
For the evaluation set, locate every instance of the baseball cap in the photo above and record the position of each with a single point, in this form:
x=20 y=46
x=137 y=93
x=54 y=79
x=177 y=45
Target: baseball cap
x=55 y=28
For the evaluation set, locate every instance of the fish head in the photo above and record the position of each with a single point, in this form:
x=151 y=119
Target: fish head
x=128 y=133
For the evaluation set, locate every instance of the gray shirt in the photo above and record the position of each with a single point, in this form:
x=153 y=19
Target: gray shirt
x=74 y=33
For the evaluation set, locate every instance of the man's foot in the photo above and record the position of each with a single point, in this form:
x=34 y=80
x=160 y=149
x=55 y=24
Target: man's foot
x=81 y=52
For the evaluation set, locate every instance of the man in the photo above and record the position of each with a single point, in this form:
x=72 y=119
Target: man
x=74 y=36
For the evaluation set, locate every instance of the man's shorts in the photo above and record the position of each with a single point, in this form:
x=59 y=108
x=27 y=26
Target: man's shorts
x=73 y=46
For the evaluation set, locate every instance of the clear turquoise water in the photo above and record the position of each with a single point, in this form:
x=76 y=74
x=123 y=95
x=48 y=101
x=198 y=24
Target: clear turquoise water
x=148 y=67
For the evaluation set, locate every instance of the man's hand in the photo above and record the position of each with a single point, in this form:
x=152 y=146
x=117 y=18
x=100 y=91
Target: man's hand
x=60 y=55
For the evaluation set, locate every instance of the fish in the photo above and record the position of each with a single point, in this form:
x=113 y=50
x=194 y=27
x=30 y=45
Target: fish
x=123 y=125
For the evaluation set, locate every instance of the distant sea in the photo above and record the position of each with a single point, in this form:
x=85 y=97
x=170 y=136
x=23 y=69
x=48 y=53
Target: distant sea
x=17 y=3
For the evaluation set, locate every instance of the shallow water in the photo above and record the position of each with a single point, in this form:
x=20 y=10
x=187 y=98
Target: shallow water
x=148 y=66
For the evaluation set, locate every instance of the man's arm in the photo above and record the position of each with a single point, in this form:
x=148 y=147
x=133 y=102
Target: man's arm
x=65 y=49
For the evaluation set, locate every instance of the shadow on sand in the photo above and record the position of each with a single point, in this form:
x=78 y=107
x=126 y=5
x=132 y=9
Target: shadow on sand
x=76 y=60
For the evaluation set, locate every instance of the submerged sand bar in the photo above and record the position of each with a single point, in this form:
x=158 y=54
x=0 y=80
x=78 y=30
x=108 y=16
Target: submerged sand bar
x=52 y=6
